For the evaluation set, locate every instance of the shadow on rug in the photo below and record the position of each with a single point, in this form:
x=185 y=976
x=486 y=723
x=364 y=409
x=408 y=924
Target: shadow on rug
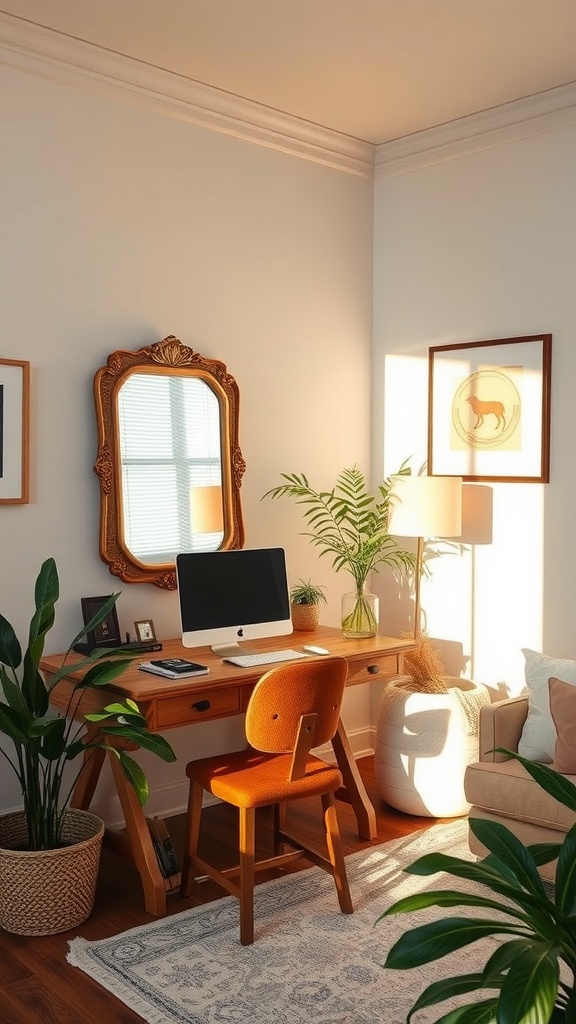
x=309 y=963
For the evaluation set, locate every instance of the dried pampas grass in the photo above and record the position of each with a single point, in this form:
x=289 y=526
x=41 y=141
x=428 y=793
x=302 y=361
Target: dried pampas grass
x=424 y=667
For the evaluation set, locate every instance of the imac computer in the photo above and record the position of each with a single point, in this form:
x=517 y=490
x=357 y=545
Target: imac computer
x=228 y=596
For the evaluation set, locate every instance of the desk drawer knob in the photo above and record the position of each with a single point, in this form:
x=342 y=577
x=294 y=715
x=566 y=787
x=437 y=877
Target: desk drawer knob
x=373 y=669
x=201 y=705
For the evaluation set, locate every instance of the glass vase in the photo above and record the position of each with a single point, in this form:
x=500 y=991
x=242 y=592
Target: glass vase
x=360 y=614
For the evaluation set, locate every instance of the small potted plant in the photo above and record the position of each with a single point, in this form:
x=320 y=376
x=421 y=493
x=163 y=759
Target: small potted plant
x=305 y=599
x=49 y=853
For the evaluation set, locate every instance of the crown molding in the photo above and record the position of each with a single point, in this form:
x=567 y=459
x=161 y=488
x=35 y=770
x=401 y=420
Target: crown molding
x=61 y=58
x=57 y=57
x=545 y=112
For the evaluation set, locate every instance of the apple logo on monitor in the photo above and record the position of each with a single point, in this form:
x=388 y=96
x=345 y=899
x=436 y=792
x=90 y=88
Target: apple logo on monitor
x=240 y=632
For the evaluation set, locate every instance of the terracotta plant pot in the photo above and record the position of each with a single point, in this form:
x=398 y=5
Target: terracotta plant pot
x=305 y=616
x=43 y=892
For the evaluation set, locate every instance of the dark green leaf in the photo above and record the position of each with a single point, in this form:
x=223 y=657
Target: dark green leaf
x=447 y=988
x=34 y=689
x=103 y=672
x=444 y=898
x=10 y=650
x=565 y=887
x=530 y=986
x=13 y=694
x=53 y=739
x=11 y=724
x=434 y=940
x=548 y=779
x=508 y=848
x=543 y=853
x=475 y=871
x=473 y=1013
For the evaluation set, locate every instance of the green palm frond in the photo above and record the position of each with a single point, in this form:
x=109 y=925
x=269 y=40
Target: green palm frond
x=348 y=523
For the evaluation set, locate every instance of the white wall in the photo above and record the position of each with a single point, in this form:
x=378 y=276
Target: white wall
x=475 y=248
x=119 y=227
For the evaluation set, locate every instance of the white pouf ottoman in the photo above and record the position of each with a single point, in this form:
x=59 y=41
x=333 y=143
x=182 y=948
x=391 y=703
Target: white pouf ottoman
x=423 y=743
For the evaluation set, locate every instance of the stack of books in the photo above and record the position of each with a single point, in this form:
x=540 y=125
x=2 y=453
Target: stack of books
x=165 y=853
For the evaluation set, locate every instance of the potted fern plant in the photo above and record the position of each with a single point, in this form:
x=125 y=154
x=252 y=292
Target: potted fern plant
x=350 y=524
x=305 y=600
x=522 y=981
x=48 y=851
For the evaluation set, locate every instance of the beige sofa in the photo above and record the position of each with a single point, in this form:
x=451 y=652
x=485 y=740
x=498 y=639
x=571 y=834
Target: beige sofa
x=500 y=789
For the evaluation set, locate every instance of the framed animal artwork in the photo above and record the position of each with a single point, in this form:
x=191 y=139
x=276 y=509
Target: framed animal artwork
x=489 y=409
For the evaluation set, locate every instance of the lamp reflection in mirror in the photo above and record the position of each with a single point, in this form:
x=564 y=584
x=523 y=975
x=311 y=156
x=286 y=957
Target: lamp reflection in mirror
x=424 y=507
x=207 y=516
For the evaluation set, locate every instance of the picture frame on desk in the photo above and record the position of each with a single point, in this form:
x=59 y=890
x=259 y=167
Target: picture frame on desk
x=107 y=634
x=145 y=631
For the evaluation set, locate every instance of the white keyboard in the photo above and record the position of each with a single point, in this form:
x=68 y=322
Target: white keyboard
x=266 y=658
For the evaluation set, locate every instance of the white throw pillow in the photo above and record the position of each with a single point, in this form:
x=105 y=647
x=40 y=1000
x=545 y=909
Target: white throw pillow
x=538 y=739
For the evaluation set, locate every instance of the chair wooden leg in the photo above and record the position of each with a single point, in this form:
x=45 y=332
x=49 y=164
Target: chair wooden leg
x=279 y=812
x=192 y=836
x=247 y=852
x=335 y=853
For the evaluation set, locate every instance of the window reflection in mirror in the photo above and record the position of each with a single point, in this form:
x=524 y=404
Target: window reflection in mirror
x=169 y=435
x=169 y=463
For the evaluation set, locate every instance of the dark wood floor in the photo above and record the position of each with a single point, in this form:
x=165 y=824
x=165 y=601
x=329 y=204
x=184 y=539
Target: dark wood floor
x=37 y=984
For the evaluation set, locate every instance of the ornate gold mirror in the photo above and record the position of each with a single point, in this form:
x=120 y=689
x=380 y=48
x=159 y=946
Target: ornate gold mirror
x=169 y=463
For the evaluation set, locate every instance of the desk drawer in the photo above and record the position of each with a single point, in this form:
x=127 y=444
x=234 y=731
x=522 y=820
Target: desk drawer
x=197 y=707
x=374 y=667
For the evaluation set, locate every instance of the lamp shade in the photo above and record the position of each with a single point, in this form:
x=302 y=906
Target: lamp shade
x=206 y=513
x=426 y=506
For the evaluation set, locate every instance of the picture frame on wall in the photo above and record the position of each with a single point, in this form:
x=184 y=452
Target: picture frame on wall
x=107 y=633
x=14 y=431
x=489 y=409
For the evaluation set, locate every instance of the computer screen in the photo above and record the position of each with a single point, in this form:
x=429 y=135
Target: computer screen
x=229 y=596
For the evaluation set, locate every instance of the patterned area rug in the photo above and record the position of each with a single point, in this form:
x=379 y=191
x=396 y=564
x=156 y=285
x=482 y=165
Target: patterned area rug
x=309 y=963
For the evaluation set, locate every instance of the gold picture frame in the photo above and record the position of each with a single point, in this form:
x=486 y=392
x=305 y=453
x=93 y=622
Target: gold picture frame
x=14 y=431
x=489 y=409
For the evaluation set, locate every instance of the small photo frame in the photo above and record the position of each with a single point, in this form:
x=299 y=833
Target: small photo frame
x=107 y=633
x=14 y=431
x=145 y=632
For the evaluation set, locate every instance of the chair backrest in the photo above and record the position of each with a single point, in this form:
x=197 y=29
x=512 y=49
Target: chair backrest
x=312 y=690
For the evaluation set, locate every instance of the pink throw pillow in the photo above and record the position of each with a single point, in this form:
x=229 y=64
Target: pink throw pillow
x=563 y=711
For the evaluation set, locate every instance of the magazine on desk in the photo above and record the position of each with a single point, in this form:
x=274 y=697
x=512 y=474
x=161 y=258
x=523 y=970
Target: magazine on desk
x=173 y=668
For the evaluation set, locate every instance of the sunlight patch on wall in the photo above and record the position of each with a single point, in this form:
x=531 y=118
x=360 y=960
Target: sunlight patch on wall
x=483 y=601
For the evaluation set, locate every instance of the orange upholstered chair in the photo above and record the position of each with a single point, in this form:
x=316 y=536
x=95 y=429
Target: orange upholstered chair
x=293 y=708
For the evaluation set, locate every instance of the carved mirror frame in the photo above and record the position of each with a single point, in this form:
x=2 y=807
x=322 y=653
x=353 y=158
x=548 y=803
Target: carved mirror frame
x=171 y=357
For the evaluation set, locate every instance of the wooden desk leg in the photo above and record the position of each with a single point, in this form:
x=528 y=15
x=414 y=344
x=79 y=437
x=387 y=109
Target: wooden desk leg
x=141 y=846
x=356 y=792
x=87 y=779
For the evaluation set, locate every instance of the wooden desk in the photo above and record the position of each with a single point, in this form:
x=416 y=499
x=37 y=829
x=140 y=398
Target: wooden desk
x=224 y=692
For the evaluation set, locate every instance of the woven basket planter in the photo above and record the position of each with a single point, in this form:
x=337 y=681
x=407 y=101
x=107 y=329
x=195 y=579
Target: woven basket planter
x=305 y=616
x=43 y=892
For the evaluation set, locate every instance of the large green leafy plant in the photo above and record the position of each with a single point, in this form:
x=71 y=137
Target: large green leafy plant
x=522 y=973
x=44 y=741
x=351 y=524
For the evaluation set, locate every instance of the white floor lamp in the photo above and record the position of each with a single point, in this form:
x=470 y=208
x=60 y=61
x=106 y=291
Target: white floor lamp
x=424 y=507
